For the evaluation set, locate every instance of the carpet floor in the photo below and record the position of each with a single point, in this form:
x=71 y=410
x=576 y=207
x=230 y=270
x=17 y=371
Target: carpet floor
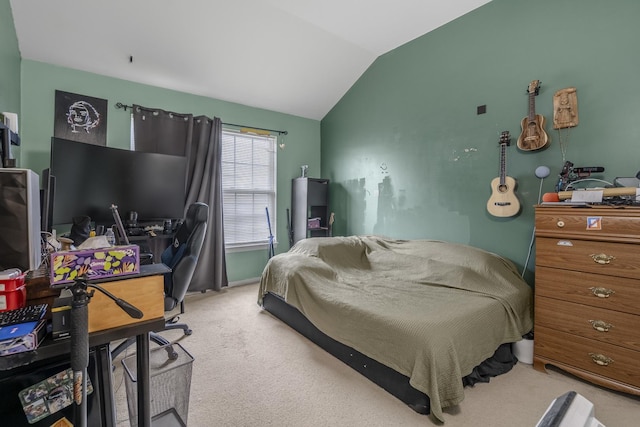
x=250 y=369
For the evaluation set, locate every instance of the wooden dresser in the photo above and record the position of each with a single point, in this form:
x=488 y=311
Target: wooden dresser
x=587 y=293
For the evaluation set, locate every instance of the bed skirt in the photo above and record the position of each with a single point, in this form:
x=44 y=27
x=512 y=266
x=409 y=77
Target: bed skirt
x=390 y=380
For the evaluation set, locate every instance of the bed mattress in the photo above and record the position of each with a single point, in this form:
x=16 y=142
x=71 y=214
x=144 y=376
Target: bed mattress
x=430 y=310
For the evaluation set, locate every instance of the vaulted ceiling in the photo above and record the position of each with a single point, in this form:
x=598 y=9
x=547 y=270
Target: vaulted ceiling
x=291 y=56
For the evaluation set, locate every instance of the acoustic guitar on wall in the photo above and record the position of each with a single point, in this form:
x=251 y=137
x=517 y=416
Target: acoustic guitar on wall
x=533 y=136
x=503 y=201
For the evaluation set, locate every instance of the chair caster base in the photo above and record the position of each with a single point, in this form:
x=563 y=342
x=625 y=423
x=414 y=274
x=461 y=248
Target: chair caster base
x=171 y=353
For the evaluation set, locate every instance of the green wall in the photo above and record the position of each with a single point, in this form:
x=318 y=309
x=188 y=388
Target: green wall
x=9 y=62
x=408 y=156
x=40 y=81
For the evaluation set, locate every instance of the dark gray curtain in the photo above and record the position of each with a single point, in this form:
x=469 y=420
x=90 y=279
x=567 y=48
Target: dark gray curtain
x=200 y=140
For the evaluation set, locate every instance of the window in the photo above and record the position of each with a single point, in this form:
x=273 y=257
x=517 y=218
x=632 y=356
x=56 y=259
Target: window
x=248 y=186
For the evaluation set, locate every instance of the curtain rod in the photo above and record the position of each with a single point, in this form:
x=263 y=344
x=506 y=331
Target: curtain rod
x=248 y=128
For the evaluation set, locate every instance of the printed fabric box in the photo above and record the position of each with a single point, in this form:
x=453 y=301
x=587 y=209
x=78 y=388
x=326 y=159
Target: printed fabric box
x=313 y=223
x=66 y=266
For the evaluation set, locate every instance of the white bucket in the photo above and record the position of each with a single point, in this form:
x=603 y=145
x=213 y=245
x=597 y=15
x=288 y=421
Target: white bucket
x=523 y=350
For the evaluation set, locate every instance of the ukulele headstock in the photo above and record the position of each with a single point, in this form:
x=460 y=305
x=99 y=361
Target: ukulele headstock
x=534 y=87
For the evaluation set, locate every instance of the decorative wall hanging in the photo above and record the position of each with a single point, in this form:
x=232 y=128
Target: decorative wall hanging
x=565 y=116
x=80 y=118
x=565 y=108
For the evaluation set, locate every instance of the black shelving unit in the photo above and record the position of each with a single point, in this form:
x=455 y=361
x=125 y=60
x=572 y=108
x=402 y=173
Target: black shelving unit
x=7 y=139
x=310 y=201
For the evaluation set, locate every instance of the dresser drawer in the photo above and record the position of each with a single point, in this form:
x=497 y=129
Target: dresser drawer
x=589 y=289
x=590 y=223
x=620 y=363
x=613 y=259
x=608 y=326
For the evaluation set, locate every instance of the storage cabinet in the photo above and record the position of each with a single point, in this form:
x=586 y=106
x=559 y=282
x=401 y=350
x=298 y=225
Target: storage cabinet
x=309 y=201
x=587 y=293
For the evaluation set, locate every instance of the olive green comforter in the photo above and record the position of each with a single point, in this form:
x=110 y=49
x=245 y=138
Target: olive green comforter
x=430 y=310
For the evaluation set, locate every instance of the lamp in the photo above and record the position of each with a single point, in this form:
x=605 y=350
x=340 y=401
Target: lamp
x=541 y=172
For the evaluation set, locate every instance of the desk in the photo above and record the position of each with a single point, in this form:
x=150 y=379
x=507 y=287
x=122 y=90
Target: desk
x=99 y=342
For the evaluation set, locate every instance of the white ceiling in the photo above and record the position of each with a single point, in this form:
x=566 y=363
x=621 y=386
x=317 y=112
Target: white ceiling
x=292 y=56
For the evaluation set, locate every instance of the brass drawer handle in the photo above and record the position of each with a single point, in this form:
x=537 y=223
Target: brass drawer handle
x=601 y=359
x=602 y=258
x=560 y=223
x=602 y=292
x=600 y=325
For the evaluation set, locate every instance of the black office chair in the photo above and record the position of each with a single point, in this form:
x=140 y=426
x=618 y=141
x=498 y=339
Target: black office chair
x=182 y=257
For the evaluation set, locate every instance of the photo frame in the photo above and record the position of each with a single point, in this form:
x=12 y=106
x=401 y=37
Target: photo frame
x=80 y=118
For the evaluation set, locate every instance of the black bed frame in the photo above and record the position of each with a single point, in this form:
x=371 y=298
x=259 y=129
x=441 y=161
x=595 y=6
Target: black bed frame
x=390 y=380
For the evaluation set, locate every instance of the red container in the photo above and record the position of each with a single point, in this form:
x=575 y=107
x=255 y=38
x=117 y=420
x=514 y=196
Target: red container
x=13 y=292
x=10 y=280
x=13 y=299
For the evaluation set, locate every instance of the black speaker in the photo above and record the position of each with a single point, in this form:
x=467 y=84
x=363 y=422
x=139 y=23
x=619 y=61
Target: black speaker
x=47 y=196
x=20 y=242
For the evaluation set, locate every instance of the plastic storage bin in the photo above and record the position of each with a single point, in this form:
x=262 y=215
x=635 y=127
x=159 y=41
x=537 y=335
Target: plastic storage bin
x=169 y=385
x=13 y=293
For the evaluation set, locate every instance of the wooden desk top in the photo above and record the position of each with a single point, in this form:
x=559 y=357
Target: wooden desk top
x=39 y=291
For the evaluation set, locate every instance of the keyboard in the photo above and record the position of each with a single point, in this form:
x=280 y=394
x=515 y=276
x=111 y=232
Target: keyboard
x=30 y=313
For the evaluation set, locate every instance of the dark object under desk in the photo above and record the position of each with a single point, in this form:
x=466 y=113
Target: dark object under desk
x=16 y=372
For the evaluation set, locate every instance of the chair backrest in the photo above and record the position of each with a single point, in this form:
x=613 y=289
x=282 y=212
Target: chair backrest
x=182 y=256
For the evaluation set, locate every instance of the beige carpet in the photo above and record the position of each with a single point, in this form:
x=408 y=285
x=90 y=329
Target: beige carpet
x=251 y=369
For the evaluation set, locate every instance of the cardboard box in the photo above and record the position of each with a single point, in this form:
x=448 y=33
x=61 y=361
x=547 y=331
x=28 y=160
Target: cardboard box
x=66 y=266
x=145 y=293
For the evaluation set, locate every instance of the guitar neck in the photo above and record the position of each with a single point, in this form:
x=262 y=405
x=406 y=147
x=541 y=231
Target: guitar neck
x=503 y=163
x=532 y=107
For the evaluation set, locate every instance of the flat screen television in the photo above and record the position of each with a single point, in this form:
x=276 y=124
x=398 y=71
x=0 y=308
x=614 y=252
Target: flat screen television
x=90 y=178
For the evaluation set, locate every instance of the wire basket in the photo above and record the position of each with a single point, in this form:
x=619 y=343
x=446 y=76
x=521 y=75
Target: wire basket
x=169 y=383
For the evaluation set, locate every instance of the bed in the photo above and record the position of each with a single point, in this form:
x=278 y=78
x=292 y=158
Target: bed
x=428 y=316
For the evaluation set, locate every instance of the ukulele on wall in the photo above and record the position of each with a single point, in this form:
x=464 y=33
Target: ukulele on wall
x=533 y=136
x=503 y=201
